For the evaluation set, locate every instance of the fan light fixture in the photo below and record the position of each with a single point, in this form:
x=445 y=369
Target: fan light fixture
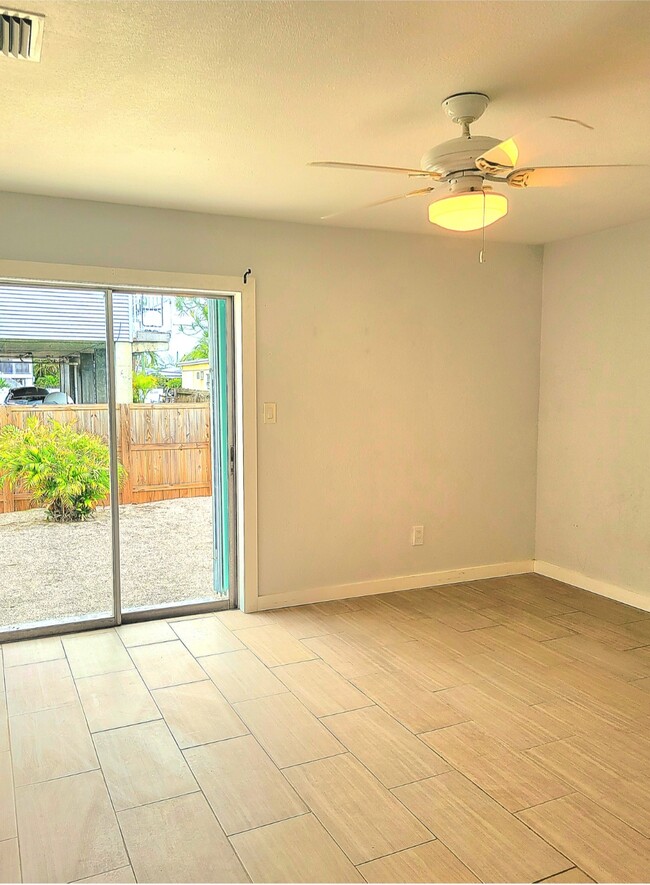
x=468 y=211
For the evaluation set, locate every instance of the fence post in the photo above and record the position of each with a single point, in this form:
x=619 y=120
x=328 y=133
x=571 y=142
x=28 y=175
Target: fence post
x=126 y=495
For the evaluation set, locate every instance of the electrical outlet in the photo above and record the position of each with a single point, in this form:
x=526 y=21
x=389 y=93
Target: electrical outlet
x=270 y=413
x=417 y=535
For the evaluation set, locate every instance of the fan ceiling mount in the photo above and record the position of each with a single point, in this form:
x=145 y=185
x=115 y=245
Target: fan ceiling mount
x=463 y=170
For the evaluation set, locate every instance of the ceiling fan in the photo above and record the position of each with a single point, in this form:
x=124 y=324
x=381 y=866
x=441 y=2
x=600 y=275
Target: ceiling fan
x=460 y=172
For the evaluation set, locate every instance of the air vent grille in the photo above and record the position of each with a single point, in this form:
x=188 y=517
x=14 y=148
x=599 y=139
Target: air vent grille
x=21 y=35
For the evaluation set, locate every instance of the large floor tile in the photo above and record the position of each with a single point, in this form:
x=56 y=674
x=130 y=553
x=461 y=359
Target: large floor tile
x=479 y=831
x=321 y=689
x=462 y=743
x=364 y=818
x=113 y=700
x=240 y=676
x=32 y=651
x=142 y=764
x=599 y=843
x=179 y=840
x=286 y=729
x=145 y=633
x=197 y=713
x=295 y=850
x=243 y=786
x=431 y=862
x=41 y=686
x=345 y=654
x=95 y=652
x=274 y=645
x=391 y=752
x=68 y=829
x=119 y=877
x=409 y=701
x=4 y=723
x=166 y=663
x=9 y=861
x=51 y=744
x=206 y=636
x=7 y=807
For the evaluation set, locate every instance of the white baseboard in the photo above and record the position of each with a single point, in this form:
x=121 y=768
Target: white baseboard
x=602 y=588
x=388 y=585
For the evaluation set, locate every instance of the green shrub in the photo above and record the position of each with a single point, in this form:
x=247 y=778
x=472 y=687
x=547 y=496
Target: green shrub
x=172 y=383
x=65 y=470
x=142 y=384
x=47 y=381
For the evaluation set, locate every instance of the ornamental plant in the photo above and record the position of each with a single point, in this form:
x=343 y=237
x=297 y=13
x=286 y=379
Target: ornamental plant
x=65 y=470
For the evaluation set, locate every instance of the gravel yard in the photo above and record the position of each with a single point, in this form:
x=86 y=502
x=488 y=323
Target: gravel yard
x=50 y=570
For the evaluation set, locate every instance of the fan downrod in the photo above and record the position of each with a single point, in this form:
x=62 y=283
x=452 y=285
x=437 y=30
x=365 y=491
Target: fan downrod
x=465 y=108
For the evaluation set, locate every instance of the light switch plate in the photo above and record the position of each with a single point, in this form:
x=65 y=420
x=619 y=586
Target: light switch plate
x=270 y=413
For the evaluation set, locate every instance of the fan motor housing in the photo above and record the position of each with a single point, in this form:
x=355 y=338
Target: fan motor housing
x=457 y=154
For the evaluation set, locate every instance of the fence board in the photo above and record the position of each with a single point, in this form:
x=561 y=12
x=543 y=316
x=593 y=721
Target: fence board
x=164 y=447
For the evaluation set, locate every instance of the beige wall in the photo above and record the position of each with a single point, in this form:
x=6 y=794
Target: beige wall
x=593 y=512
x=405 y=373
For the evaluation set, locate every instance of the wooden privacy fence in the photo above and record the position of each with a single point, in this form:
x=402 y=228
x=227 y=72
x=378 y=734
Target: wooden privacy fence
x=165 y=448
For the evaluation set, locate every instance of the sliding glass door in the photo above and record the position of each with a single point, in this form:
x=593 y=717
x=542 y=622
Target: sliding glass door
x=116 y=444
x=55 y=518
x=173 y=444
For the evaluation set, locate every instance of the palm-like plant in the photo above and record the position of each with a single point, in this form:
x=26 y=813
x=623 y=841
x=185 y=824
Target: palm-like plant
x=65 y=470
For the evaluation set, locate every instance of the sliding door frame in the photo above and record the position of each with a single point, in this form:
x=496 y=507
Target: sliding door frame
x=242 y=425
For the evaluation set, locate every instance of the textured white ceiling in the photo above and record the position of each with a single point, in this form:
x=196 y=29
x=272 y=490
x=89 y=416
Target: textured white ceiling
x=218 y=107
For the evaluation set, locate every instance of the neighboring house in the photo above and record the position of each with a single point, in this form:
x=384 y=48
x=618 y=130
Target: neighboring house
x=69 y=328
x=196 y=374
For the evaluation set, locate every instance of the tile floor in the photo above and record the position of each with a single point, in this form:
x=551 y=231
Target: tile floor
x=495 y=731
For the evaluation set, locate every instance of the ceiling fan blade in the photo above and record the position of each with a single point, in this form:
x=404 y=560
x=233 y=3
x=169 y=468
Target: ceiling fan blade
x=541 y=141
x=418 y=193
x=399 y=169
x=557 y=176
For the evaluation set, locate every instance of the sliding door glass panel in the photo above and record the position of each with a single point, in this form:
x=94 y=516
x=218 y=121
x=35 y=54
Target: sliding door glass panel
x=171 y=430
x=55 y=518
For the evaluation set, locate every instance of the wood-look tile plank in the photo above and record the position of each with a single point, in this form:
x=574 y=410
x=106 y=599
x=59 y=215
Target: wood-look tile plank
x=606 y=848
x=517 y=725
x=141 y=764
x=295 y=850
x=593 y=688
x=573 y=875
x=145 y=633
x=113 y=700
x=462 y=743
x=240 y=676
x=197 y=713
x=242 y=785
x=612 y=635
x=4 y=723
x=426 y=662
x=179 y=840
x=302 y=622
x=166 y=663
x=119 y=877
x=371 y=625
x=206 y=636
x=506 y=673
x=627 y=798
x=7 y=804
x=362 y=815
x=235 y=619
x=409 y=702
x=51 y=744
x=321 y=689
x=274 y=645
x=343 y=654
x=41 y=686
x=529 y=624
x=431 y=862
x=9 y=861
x=286 y=729
x=513 y=779
x=95 y=652
x=68 y=829
x=392 y=753
x=450 y=641
x=32 y=651
x=482 y=834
